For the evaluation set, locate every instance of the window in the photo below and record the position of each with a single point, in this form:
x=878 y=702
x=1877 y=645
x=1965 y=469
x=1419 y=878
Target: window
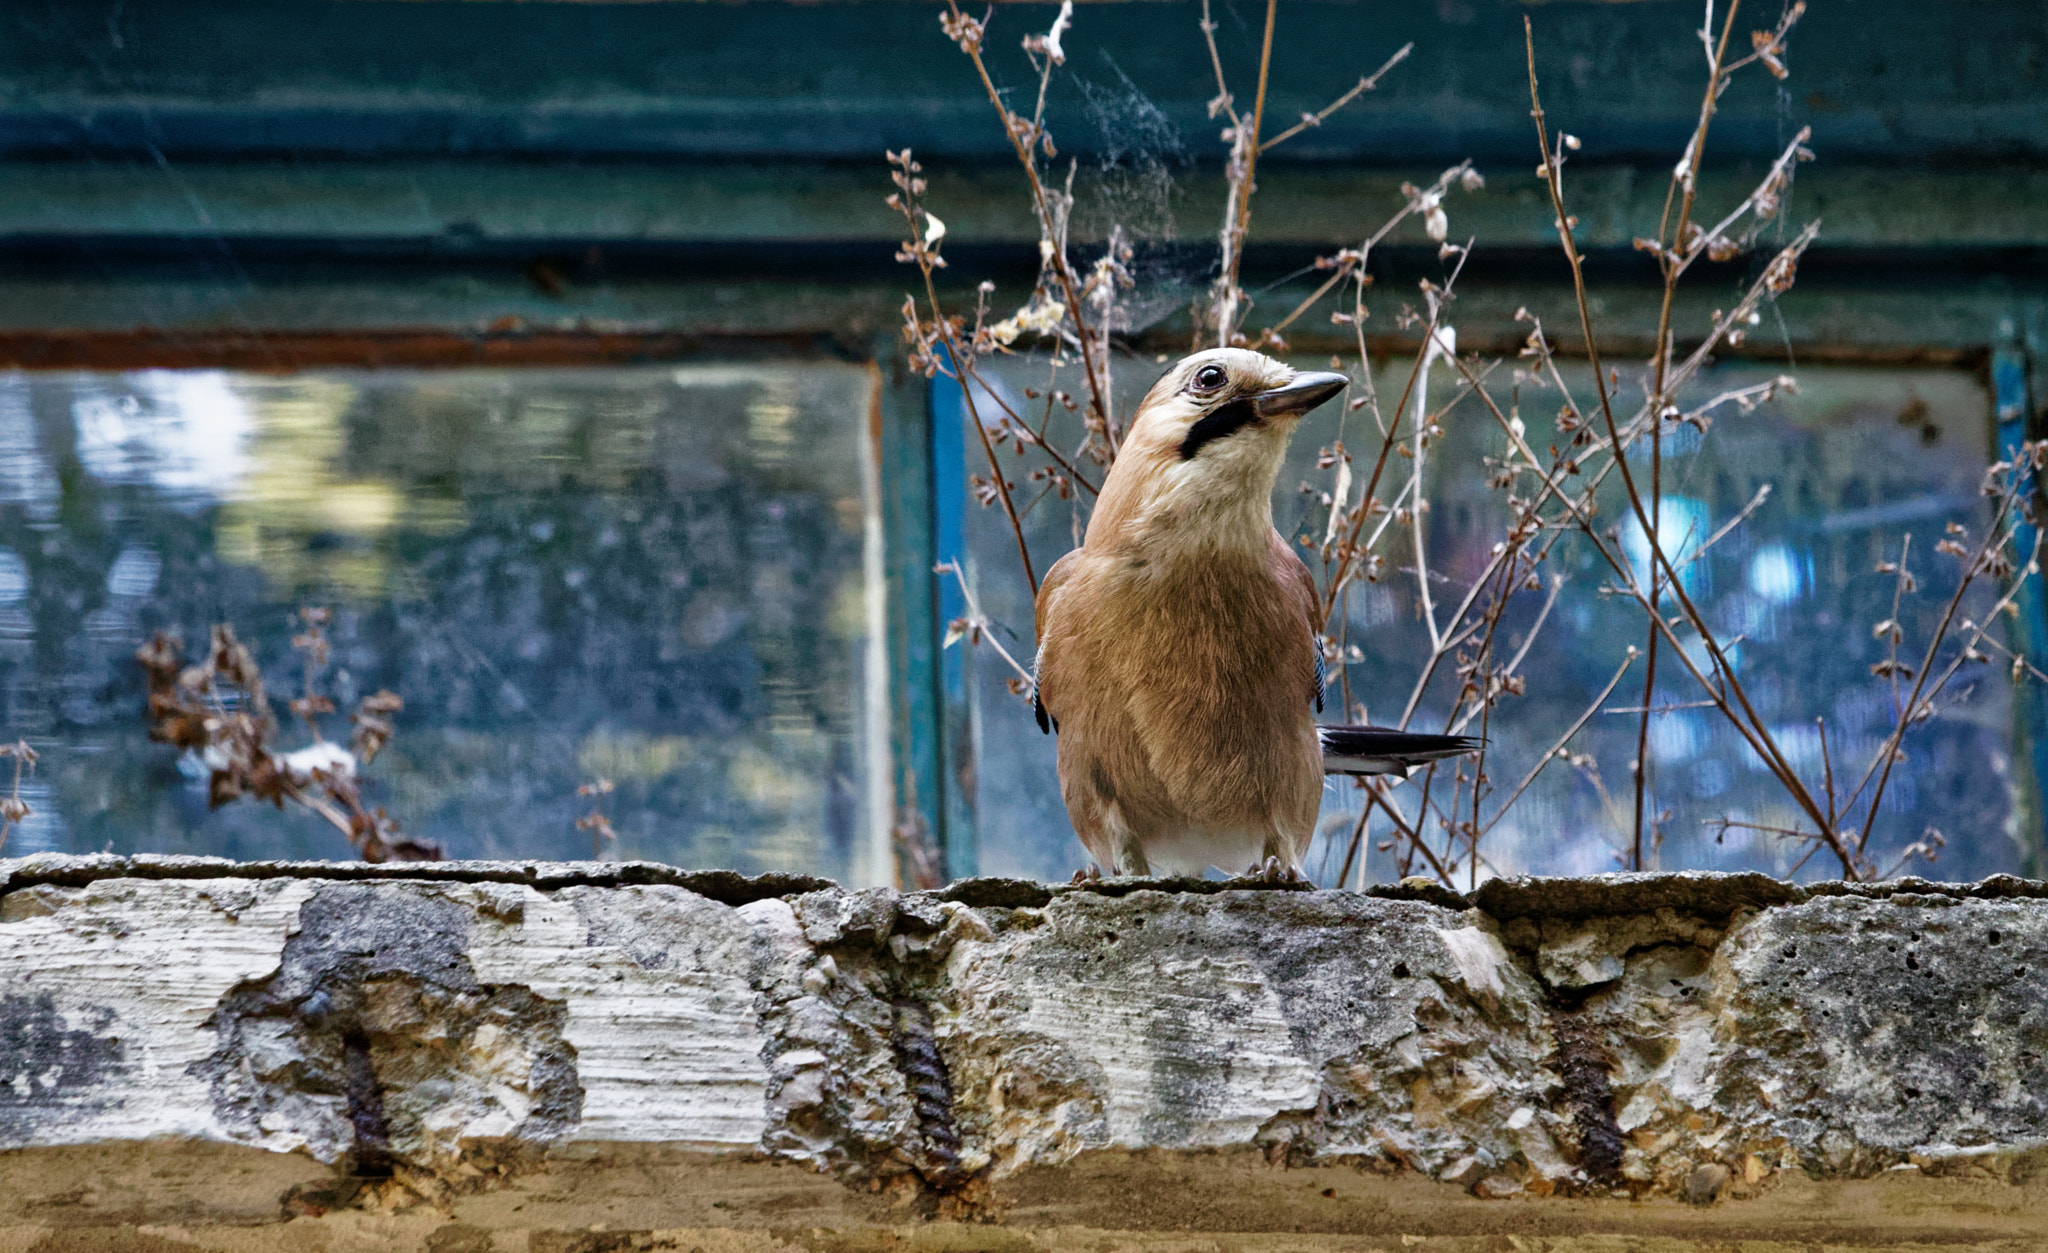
x=556 y=349
x=661 y=576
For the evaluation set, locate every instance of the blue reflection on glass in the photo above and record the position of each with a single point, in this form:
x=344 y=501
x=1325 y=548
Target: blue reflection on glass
x=1683 y=525
x=1775 y=573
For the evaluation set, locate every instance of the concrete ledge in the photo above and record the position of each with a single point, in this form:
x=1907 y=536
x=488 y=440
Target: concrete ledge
x=197 y=1053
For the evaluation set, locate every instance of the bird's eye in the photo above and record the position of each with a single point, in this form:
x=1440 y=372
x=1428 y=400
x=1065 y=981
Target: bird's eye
x=1211 y=377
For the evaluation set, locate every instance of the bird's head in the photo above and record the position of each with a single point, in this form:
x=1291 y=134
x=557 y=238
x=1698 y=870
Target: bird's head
x=1209 y=438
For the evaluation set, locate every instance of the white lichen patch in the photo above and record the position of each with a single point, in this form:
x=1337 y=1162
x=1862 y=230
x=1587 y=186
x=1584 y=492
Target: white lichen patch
x=1480 y=959
x=108 y=991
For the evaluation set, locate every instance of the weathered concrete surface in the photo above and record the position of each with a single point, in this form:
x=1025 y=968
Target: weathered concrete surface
x=477 y=1056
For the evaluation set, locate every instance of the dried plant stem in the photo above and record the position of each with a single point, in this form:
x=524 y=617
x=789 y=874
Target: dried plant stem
x=976 y=623
x=1501 y=810
x=1640 y=768
x=1347 y=552
x=959 y=352
x=1038 y=440
x=1309 y=122
x=13 y=809
x=1416 y=512
x=1827 y=771
x=1681 y=258
x=1892 y=632
x=1746 y=723
x=1756 y=731
x=1356 y=841
x=1222 y=103
x=1762 y=494
x=595 y=822
x=1023 y=136
x=1375 y=796
x=1352 y=261
x=186 y=709
x=1021 y=430
x=2019 y=660
x=1688 y=175
x=1995 y=538
x=1525 y=526
x=1227 y=303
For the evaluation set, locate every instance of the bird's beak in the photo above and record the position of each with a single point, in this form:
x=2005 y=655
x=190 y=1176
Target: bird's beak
x=1308 y=390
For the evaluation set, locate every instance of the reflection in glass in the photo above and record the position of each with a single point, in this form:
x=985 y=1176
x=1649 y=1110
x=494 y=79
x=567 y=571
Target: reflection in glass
x=651 y=575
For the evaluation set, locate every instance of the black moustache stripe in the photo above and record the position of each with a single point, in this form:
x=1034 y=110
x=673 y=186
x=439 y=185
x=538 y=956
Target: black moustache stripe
x=1224 y=420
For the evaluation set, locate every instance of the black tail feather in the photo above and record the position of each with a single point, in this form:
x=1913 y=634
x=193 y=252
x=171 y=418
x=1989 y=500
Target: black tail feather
x=1382 y=750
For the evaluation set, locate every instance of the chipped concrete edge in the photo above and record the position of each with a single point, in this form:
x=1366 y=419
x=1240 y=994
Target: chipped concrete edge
x=1701 y=892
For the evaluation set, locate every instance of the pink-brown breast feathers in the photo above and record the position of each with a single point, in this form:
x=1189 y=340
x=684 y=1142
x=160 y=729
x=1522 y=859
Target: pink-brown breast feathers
x=1181 y=694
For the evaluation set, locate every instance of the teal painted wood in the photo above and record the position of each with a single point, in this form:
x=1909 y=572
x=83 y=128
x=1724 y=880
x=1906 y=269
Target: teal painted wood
x=176 y=79
x=914 y=622
x=958 y=742
x=675 y=214
x=2017 y=421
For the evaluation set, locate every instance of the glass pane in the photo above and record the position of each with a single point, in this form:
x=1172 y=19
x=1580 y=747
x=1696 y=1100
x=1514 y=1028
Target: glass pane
x=651 y=575
x=1856 y=461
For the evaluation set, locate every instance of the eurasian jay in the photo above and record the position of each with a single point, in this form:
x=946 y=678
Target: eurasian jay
x=1178 y=648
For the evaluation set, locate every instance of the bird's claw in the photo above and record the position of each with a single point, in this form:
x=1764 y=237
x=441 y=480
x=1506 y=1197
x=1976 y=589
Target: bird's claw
x=1093 y=874
x=1272 y=870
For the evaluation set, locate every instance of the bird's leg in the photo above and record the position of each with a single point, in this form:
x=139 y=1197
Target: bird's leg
x=1130 y=855
x=1092 y=874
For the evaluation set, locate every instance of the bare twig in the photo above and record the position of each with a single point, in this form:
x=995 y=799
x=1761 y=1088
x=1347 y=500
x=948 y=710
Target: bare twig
x=1311 y=120
x=975 y=627
x=1414 y=838
x=1356 y=842
x=1350 y=262
x=1226 y=303
x=1555 y=749
x=14 y=810
x=595 y=822
x=1984 y=559
x=1762 y=494
x=922 y=249
x=1024 y=137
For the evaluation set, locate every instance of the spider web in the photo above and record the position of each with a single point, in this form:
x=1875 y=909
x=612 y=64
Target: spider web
x=1130 y=179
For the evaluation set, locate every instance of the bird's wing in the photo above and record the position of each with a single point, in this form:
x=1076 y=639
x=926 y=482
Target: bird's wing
x=1300 y=588
x=1322 y=673
x=1049 y=587
x=1048 y=592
